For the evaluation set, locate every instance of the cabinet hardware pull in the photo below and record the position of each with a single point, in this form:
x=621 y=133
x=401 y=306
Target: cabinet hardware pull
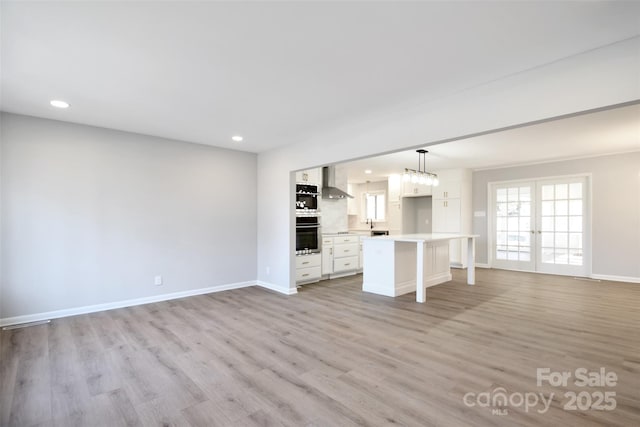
x=347 y=264
x=306 y=262
x=305 y=274
x=347 y=250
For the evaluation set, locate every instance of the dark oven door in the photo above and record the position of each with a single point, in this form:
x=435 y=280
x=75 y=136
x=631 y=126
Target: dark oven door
x=307 y=234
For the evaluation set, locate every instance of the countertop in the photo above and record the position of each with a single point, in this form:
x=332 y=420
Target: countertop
x=426 y=237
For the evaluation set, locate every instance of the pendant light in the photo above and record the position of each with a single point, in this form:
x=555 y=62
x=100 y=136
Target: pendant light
x=420 y=175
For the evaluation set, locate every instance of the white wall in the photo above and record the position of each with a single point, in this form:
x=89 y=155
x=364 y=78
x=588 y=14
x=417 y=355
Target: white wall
x=601 y=77
x=417 y=214
x=90 y=216
x=615 y=201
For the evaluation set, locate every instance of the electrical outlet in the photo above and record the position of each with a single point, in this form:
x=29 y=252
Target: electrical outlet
x=158 y=280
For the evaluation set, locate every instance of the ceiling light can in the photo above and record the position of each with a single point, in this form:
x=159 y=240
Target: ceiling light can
x=59 y=103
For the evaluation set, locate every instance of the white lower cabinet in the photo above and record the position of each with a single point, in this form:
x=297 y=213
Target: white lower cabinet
x=340 y=255
x=327 y=255
x=308 y=268
x=345 y=264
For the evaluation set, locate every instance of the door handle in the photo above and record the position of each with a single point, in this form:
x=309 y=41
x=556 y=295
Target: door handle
x=539 y=232
x=532 y=231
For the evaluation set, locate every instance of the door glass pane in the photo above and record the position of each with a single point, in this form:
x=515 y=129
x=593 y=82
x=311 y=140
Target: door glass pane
x=575 y=240
x=547 y=192
x=561 y=256
x=501 y=238
x=575 y=257
x=547 y=223
x=547 y=255
x=562 y=223
x=513 y=223
x=562 y=207
x=501 y=252
x=547 y=208
x=575 y=223
x=562 y=191
x=575 y=207
x=513 y=209
x=562 y=240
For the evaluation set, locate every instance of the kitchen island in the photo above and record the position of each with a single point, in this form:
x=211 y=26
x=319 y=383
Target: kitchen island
x=397 y=265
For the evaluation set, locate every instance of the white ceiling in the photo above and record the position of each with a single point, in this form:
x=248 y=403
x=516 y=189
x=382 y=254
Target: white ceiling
x=275 y=73
x=611 y=131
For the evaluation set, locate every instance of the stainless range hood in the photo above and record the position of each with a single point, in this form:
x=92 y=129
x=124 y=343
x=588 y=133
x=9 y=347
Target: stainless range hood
x=329 y=191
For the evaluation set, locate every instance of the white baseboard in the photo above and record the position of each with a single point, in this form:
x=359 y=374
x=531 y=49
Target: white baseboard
x=28 y=318
x=482 y=265
x=616 y=278
x=281 y=289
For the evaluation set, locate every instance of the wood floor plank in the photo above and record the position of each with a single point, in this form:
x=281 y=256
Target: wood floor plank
x=31 y=400
x=329 y=356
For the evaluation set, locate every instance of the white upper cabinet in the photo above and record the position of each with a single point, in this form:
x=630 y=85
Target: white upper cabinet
x=447 y=190
x=309 y=176
x=416 y=190
x=394 y=186
x=352 y=204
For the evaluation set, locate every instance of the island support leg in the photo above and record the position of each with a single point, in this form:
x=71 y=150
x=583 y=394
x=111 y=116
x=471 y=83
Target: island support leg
x=471 y=261
x=420 y=290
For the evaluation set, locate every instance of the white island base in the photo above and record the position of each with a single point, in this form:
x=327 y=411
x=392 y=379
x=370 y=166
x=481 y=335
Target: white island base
x=394 y=265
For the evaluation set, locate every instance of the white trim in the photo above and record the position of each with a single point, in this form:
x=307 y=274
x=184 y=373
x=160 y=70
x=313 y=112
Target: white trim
x=482 y=265
x=404 y=288
x=27 y=318
x=629 y=279
x=555 y=160
x=277 y=288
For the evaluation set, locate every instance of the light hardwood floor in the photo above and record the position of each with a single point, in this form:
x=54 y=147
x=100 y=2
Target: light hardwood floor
x=329 y=356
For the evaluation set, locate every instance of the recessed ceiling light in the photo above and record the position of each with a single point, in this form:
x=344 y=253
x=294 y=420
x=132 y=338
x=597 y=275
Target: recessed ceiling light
x=367 y=171
x=237 y=138
x=59 y=104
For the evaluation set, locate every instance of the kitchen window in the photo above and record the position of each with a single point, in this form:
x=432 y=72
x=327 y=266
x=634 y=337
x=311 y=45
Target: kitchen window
x=374 y=206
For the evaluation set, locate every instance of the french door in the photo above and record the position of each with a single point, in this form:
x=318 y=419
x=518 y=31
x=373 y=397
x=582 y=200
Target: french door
x=541 y=226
